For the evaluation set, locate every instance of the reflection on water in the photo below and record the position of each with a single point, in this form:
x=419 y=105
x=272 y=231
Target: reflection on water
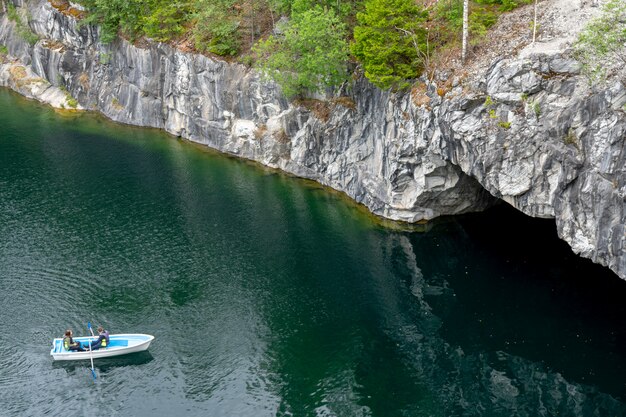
x=104 y=365
x=271 y=297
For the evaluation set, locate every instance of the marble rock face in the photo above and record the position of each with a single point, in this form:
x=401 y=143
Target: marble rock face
x=528 y=131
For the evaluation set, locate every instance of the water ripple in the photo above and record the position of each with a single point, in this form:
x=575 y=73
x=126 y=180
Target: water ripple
x=271 y=297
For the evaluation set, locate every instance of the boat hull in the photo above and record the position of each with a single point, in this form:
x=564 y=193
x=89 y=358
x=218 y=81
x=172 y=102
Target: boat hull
x=119 y=344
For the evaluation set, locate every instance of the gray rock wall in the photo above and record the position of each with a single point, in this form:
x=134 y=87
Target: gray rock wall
x=528 y=131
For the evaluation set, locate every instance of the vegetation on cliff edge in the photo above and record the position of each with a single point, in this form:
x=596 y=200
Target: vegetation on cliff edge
x=305 y=44
x=603 y=41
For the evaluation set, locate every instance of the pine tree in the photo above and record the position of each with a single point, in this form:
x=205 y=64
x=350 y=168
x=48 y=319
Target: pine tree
x=390 y=41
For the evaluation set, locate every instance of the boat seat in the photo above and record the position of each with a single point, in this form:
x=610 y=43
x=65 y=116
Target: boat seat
x=117 y=343
x=58 y=345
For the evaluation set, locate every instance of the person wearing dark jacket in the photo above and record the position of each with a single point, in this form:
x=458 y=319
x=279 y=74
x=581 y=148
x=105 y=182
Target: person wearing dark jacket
x=102 y=341
x=70 y=344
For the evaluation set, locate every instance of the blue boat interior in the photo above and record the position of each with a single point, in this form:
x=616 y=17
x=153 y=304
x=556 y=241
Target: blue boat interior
x=58 y=344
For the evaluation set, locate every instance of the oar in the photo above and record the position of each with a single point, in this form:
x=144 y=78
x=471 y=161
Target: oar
x=93 y=371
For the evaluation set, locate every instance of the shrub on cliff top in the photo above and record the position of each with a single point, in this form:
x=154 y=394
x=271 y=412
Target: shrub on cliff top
x=309 y=56
x=604 y=37
x=158 y=19
x=216 y=27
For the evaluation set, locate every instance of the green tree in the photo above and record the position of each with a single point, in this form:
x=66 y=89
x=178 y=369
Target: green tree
x=390 y=41
x=216 y=28
x=310 y=56
x=158 y=19
x=343 y=9
x=280 y=6
x=165 y=20
x=113 y=15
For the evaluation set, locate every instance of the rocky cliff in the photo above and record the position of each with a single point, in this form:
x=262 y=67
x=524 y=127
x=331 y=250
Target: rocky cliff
x=528 y=130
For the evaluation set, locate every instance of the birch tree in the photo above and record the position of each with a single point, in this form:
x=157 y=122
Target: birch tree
x=535 y=23
x=465 y=29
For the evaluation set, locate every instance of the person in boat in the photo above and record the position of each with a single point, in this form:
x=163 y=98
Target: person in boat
x=102 y=341
x=70 y=344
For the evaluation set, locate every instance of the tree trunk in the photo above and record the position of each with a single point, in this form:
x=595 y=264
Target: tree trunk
x=535 y=23
x=465 y=29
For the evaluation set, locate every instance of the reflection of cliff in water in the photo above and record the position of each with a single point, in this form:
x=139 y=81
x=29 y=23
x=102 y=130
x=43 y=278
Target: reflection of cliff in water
x=505 y=338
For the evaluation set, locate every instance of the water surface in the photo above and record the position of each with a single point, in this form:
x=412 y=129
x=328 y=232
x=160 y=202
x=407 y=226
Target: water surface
x=269 y=296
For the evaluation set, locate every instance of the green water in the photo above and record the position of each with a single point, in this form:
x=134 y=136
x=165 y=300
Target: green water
x=269 y=296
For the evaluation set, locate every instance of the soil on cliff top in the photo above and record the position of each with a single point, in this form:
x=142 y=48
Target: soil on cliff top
x=559 y=23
